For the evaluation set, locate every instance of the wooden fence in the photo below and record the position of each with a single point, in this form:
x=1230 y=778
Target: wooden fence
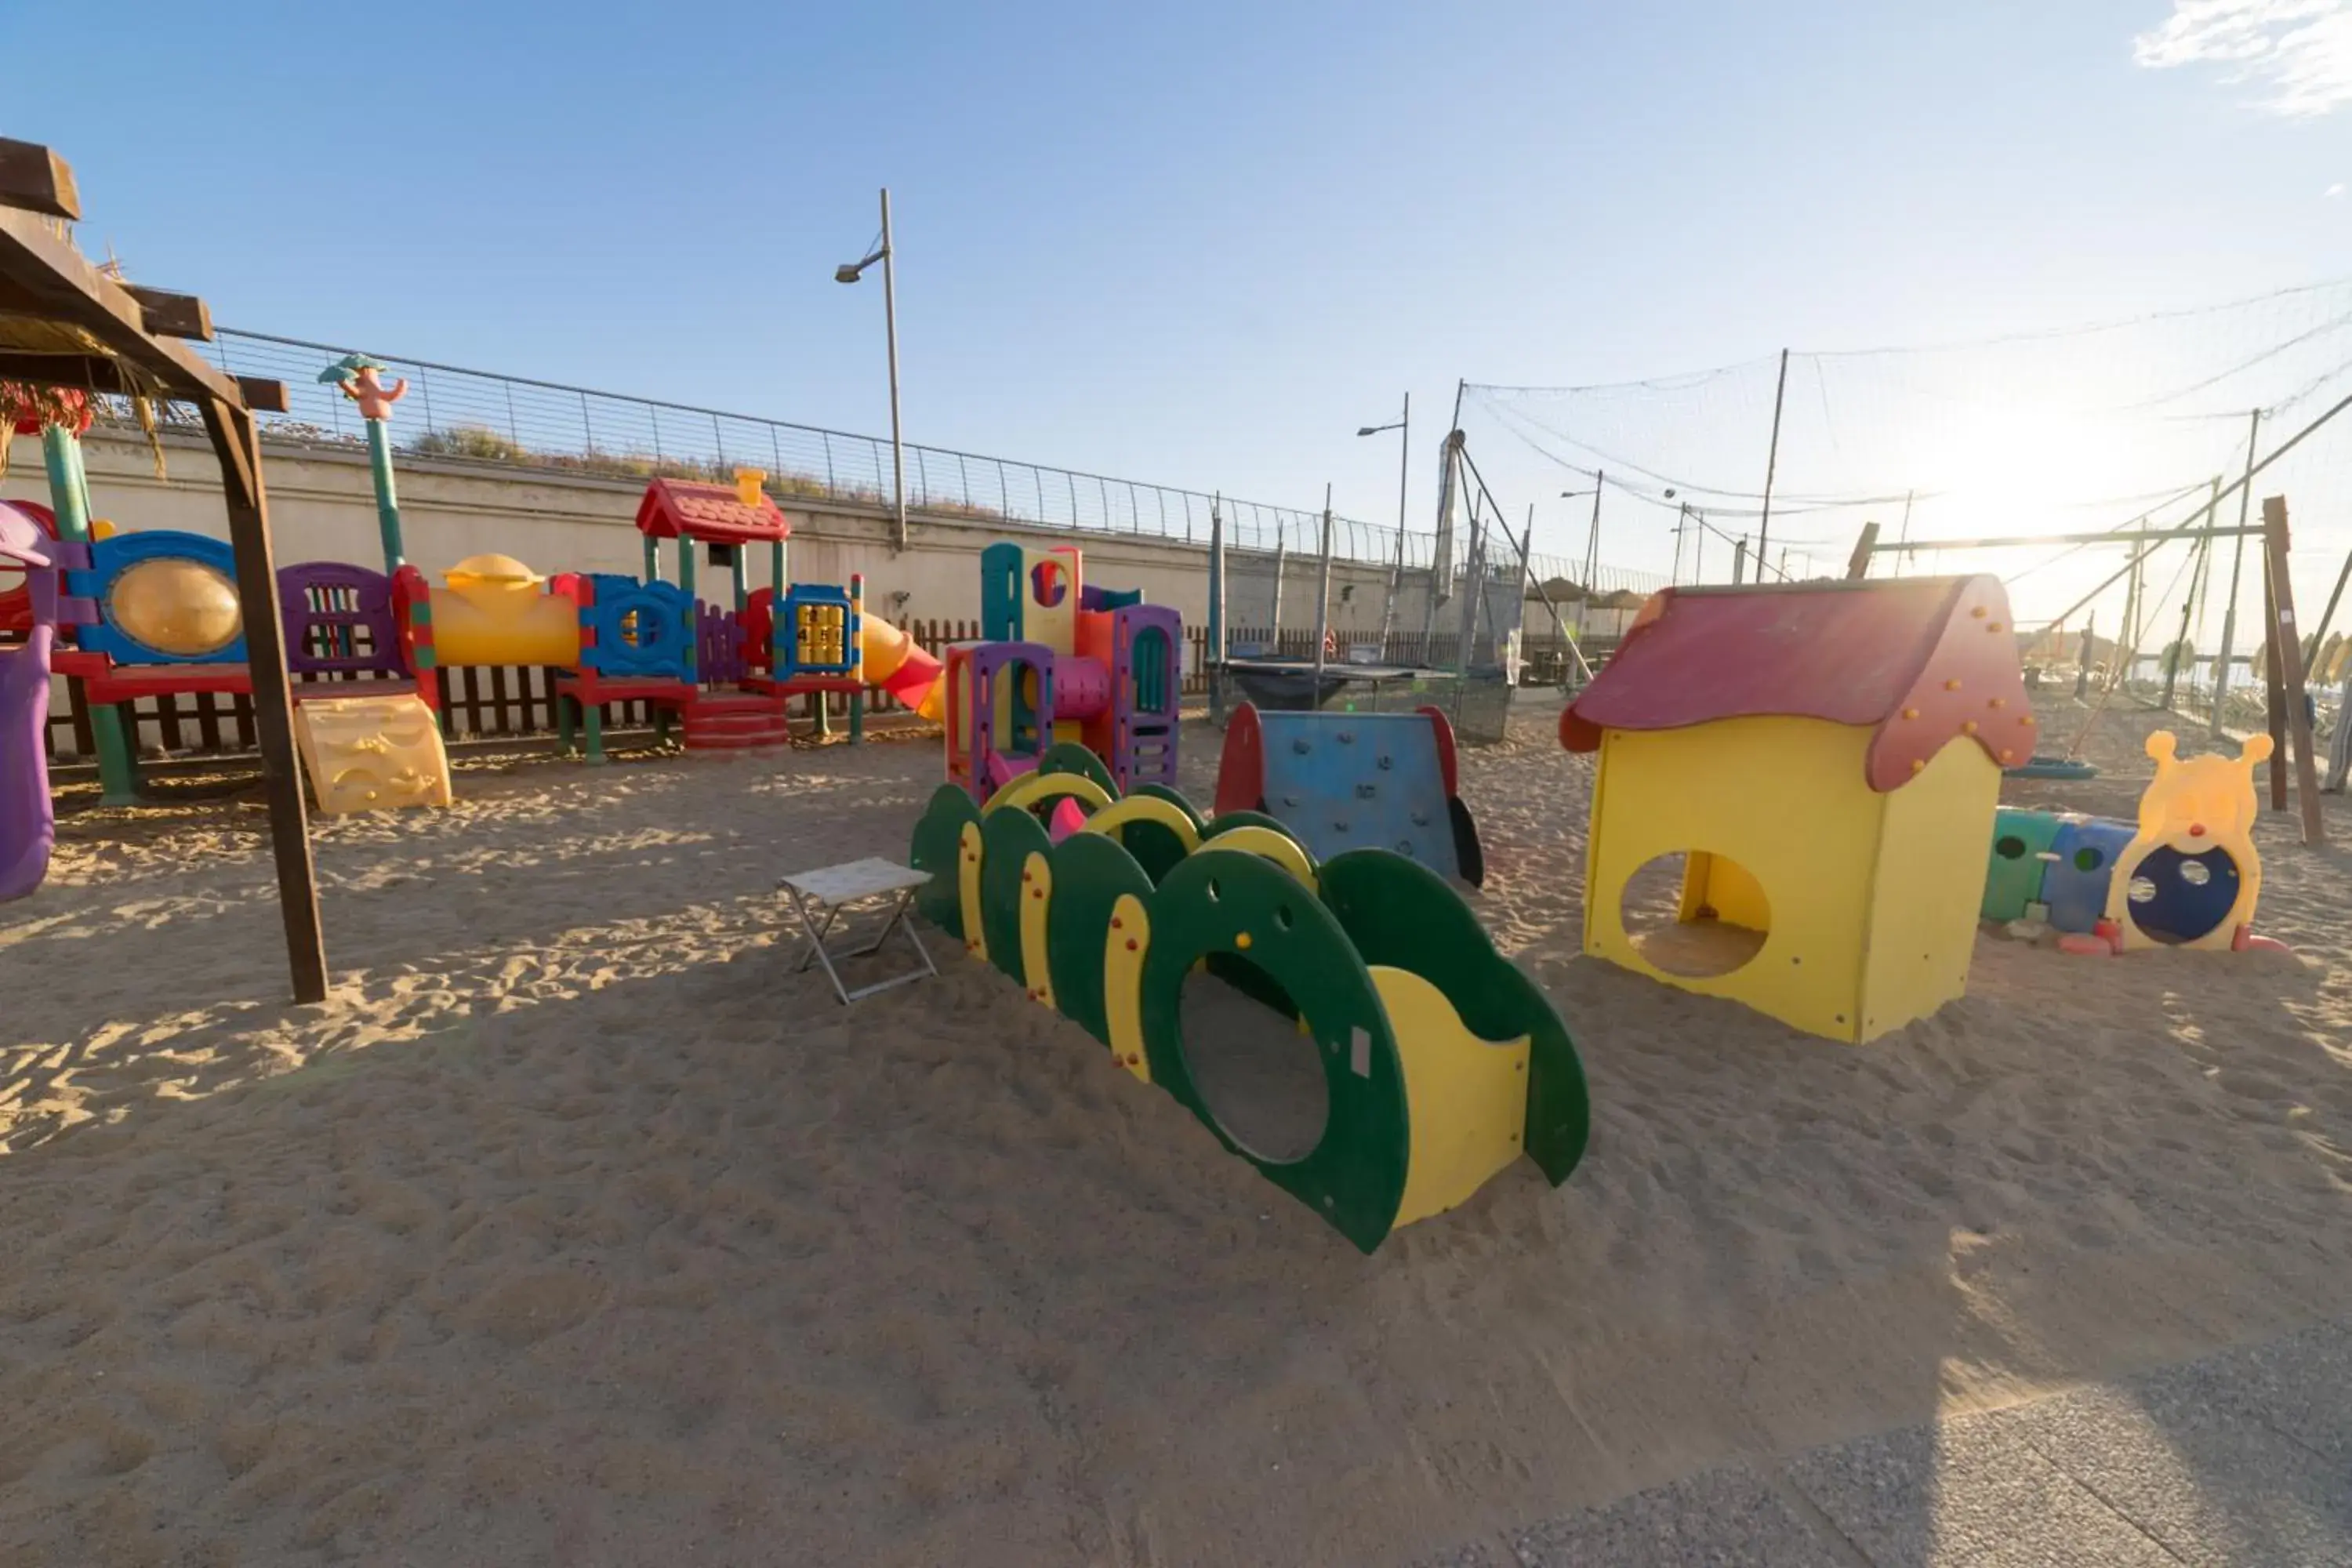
x=479 y=701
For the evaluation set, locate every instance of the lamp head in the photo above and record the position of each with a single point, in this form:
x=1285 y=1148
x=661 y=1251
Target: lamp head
x=1366 y=430
x=849 y=272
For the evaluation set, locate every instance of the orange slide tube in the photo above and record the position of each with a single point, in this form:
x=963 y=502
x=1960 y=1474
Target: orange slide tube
x=896 y=664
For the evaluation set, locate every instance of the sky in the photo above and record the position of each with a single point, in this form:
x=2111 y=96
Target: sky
x=1195 y=245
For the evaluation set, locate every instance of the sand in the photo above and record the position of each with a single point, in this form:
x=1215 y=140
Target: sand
x=576 y=1228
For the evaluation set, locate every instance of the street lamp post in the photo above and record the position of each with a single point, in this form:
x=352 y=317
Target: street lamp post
x=849 y=272
x=1404 y=470
x=1685 y=515
x=1591 y=551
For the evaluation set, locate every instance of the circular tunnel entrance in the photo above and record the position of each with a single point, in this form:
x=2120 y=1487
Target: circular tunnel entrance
x=1256 y=1070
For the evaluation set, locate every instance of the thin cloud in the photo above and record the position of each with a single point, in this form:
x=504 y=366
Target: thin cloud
x=2298 y=51
x=2335 y=190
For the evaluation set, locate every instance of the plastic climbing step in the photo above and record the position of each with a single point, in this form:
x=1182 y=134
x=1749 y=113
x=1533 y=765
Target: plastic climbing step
x=736 y=722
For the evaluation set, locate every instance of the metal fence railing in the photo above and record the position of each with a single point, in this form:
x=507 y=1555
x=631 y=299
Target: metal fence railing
x=469 y=416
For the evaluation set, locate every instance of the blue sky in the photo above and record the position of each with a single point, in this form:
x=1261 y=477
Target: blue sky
x=1197 y=245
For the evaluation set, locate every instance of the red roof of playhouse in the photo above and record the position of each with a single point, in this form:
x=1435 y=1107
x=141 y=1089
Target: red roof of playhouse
x=1919 y=659
x=708 y=513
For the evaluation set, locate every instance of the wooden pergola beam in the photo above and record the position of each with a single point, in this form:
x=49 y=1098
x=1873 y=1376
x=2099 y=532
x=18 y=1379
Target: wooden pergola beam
x=88 y=372
x=170 y=315
x=56 y=281
x=43 y=277
x=35 y=180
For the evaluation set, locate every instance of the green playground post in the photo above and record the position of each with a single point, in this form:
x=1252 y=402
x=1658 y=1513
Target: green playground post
x=361 y=379
x=387 y=499
x=653 y=559
x=118 y=767
x=686 y=564
x=742 y=581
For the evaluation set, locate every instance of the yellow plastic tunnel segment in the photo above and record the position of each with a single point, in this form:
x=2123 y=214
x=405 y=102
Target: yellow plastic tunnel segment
x=1029 y=788
x=1147 y=808
x=1128 y=944
x=1037 y=898
x=975 y=931
x=1267 y=845
x=1467 y=1097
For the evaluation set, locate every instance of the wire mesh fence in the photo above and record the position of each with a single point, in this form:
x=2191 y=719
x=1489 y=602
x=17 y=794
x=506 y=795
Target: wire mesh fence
x=454 y=414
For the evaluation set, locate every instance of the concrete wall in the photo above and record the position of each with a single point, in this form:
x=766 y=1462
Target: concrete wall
x=322 y=507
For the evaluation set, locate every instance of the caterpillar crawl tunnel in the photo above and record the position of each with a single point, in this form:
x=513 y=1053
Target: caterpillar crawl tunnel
x=1442 y=1063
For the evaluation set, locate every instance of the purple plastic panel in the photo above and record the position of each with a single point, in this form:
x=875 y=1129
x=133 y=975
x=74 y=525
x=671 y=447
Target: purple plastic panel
x=27 y=827
x=338 y=619
x=718 y=643
x=987 y=658
x=1147 y=687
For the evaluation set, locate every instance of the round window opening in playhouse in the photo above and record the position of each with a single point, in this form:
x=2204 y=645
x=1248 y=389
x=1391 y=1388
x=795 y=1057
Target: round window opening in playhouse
x=2009 y=846
x=2175 y=898
x=1257 y=1071
x=176 y=606
x=1048 y=584
x=1696 y=913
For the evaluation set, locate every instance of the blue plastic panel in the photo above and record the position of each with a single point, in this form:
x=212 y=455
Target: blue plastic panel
x=1355 y=781
x=2075 y=885
x=661 y=641
x=110 y=558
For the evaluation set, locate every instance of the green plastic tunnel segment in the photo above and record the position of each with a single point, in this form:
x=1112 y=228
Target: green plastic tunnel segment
x=938 y=841
x=1007 y=840
x=1355 y=1176
x=1156 y=847
x=1070 y=757
x=1091 y=872
x=1398 y=914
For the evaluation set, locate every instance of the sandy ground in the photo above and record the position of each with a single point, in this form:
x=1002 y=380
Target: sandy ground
x=576 y=1228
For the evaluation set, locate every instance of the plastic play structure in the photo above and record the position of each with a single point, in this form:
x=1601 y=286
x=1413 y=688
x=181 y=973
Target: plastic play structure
x=1061 y=661
x=2185 y=875
x=1442 y=1062
x=1345 y=781
x=1826 y=757
x=363 y=646
x=36 y=610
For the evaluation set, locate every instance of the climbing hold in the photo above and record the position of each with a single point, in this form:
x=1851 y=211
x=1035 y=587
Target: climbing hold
x=1967 y=726
x=1242 y=940
x=1953 y=684
x=1910 y=713
x=1301 y=745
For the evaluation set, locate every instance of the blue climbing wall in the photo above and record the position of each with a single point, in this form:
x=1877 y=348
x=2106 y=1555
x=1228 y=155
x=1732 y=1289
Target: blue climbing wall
x=1355 y=781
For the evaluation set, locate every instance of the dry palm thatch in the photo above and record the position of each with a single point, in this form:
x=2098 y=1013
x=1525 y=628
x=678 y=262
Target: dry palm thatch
x=42 y=404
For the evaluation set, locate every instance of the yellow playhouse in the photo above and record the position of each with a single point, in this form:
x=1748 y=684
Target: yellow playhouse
x=1819 y=762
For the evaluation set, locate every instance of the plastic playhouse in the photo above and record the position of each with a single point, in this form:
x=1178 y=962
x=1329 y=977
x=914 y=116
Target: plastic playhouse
x=2185 y=875
x=1442 y=1062
x=1350 y=781
x=1061 y=661
x=1826 y=758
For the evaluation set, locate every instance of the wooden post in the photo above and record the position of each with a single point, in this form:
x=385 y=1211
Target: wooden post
x=2286 y=662
x=1857 y=565
x=2273 y=685
x=239 y=451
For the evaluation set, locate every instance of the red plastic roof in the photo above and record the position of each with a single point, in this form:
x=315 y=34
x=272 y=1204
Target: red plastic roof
x=709 y=514
x=1920 y=660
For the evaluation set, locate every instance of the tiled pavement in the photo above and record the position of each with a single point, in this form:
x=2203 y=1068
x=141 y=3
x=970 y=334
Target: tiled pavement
x=2242 y=1458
